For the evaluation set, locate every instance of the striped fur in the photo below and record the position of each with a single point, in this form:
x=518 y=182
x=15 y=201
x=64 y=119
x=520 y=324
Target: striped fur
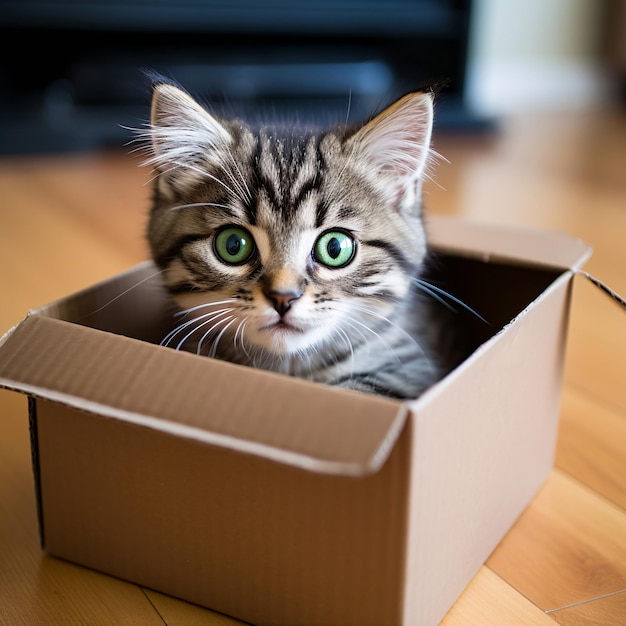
x=361 y=325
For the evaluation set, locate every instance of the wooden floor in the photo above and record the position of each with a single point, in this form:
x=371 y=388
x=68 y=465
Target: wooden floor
x=68 y=221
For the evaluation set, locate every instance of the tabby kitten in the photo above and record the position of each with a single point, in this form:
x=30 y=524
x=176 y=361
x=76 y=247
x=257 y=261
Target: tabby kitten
x=296 y=251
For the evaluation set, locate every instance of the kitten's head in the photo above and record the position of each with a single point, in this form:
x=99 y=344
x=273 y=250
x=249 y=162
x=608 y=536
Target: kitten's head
x=282 y=242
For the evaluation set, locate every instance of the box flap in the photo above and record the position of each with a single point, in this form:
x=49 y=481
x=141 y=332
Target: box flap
x=497 y=242
x=315 y=427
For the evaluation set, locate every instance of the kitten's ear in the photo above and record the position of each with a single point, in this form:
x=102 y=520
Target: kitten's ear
x=396 y=143
x=183 y=133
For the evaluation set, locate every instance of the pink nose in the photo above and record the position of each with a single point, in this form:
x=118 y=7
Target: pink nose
x=282 y=299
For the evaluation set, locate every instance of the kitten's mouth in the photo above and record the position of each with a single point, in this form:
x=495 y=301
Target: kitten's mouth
x=282 y=327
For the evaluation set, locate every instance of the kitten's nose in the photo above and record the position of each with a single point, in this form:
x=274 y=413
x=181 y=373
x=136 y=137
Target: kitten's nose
x=282 y=299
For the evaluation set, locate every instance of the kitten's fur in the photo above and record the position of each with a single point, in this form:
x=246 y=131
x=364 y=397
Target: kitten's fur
x=362 y=325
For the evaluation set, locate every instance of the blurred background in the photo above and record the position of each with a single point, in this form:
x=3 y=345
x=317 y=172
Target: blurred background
x=72 y=71
x=532 y=125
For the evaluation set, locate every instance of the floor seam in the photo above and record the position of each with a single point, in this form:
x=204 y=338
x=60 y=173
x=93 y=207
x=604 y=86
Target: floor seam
x=602 y=597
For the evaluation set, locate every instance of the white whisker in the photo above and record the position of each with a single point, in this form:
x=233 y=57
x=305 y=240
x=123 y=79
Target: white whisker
x=202 y=173
x=137 y=284
x=243 y=180
x=349 y=106
x=204 y=305
x=160 y=172
x=365 y=342
x=377 y=336
x=165 y=342
x=240 y=332
x=382 y=318
x=440 y=296
x=244 y=191
x=211 y=330
x=348 y=160
x=199 y=204
x=217 y=339
x=198 y=322
x=208 y=319
x=206 y=174
x=350 y=348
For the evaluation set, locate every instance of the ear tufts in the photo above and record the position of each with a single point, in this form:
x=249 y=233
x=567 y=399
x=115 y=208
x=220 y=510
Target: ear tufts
x=398 y=139
x=181 y=129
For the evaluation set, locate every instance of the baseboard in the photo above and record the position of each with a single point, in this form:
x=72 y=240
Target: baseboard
x=504 y=87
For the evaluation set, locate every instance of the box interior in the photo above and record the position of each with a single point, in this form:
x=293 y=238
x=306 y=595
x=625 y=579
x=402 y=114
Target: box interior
x=136 y=305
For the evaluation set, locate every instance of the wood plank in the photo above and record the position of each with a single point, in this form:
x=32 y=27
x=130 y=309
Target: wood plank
x=607 y=611
x=178 y=613
x=110 y=195
x=569 y=546
x=106 y=192
x=592 y=444
x=490 y=600
x=46 y=252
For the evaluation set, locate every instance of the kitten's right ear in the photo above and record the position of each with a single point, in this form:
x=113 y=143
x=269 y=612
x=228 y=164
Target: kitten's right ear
x=183 y=133
x=396 y=145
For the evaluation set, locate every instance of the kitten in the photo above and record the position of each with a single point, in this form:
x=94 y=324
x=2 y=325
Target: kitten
x=296 y=251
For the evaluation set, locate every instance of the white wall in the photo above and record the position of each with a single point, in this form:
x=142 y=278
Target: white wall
x=535 y=54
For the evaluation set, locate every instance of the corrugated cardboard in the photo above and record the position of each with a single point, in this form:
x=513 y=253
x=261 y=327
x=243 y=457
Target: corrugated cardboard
x=284 y=502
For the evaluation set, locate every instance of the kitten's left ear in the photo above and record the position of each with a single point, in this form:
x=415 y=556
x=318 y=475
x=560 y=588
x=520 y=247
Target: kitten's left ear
x=182 y=131
x=396 y=143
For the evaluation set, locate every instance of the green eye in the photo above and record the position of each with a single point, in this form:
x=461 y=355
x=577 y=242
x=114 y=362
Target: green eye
x=334 y=248
x=234 y=245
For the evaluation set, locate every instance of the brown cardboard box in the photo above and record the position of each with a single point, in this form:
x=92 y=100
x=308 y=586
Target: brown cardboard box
x=284 y=502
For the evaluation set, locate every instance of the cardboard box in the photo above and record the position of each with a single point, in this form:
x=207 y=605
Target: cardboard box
x=284 y=502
